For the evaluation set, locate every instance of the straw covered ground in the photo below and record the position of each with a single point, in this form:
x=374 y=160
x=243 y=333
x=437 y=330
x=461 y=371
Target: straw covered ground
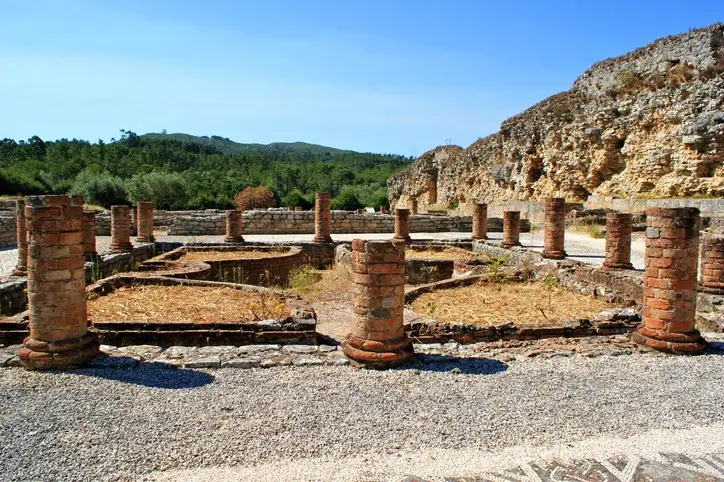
x=229 y=255
x=454 y=254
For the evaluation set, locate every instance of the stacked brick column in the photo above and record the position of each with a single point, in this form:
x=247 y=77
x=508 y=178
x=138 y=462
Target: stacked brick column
x=234 y=227
x=59 y=336
x=712 y=263
x=89 y=235
x=134 y=220
x=672 y=244
x=322 y=217
x=21 y=234
x=555 y=228
x=511 y=229
x=121 y=229
x=431 y=191
x=413 y=206
x=402 y=225
x=618 y=240
x=480 y=222
x=377 y=338
x=144 y=222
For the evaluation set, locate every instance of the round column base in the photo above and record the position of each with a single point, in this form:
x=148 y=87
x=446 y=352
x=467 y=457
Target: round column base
x=322 y=239
x=610 y=264
x=121 y=248
x=234 y=239
x=377 y=354
x=712 y=290
x=42 y=355
x=690 y=343
x=146 y=239
x=509 y=245
x=20 y=272
x=554 y=254
x=406 y=239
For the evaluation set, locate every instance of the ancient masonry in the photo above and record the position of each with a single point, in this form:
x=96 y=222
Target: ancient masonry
x=234 y=227
x=413 y=206
x=712 y=263
x=618 y=240
x=144 y=222
x=511 y=229
x=480 y=222
x=555 y=228
x=322 y=217
x=59 y=336
x=377 y=338
x=670 y=281
x=89 y=235
x=402 y=225
x=121 y=229
x=22 y=267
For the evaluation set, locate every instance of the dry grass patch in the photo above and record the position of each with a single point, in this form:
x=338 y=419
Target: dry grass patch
x=186 y=304
x=540 y=303
x=453 y=254
x=321 y=285
x=228 y=255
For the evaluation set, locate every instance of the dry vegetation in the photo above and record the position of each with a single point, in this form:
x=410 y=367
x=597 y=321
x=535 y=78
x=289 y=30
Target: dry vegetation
x=185 y=304
x=454 y=254
x=228 y=255
x=319 y=285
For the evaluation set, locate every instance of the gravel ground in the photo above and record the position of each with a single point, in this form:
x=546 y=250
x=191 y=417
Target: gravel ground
x=119 y=424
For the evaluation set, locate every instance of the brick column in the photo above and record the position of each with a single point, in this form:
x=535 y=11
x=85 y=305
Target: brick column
x=21 y=235
x=672 y=244
x=413 y=206
x=480 y=222
x=322 y=217
x=144 y=220
x=121 y=229
x=59 y=336
x=618 y=240
x=134 y=220
x=431 y=191
x=712 y=263
x=89 y=235
x=555 y=228
x=511 y=229
x=234 y=226
x=402 y=225
x=377 y=338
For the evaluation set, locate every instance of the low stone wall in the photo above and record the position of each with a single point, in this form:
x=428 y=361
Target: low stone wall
x=7 y=230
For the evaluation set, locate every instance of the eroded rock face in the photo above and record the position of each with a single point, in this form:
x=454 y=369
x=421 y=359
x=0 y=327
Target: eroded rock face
x=647 y=123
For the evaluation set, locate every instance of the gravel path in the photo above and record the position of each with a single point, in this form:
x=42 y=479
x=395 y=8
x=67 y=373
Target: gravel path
x=118 y=424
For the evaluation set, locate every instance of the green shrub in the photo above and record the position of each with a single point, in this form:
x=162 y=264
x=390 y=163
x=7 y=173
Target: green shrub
x=296 y=198
x=347 y=200
x=100 y=188
x=302 y=278
x=166 y=190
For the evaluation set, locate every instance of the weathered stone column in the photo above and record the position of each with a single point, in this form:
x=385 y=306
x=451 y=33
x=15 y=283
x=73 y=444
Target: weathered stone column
x=431 y=191
x=121 y=229
x=21 y=235
x=144 y=222
x=413 y=206
x=555 y=228
x=618 y=240
x=234 y=226
x=712 y=263
x=480 y=222
x=511 y=229
x=59 y=336
x=672 y=244
x=322 y=217
x=377 y=338
x=402 y=225
x=89 y=235
x=134 y=220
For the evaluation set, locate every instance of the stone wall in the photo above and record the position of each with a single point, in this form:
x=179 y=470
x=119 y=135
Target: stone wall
x=7 y=230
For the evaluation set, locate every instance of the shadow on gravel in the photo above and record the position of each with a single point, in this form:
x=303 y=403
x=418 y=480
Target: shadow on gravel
x=446 y=363
x=716 y=347
x=150 y=374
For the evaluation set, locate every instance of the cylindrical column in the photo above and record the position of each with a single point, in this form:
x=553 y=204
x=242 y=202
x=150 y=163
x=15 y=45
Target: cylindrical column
x=21 y=235
x=672 y=244
x=431 y=191
x=377 y=338
x=712 y=263
x=134 y=220
x=618 y=240
x=555 y=228
x=480 y=222
x=402 y=225
x=511 y=229
x=59 y=336
x=89 y=235
x=234 y=226
x=413 y=206
x=322 y=217
x=144 y=220
x=121 y=229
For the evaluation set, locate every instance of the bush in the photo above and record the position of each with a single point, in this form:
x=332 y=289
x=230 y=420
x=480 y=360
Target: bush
x=100 y=188
x=260 y=197
x=12 y=184
x=296 y=198
x=166 y=190
x=347 y=200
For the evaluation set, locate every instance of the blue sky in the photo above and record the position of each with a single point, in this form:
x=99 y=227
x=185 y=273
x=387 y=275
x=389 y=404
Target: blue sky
x=397 y=76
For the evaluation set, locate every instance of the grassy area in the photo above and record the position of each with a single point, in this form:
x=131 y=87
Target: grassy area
x=319 y=285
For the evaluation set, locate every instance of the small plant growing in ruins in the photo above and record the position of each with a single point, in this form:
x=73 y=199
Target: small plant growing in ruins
x=550 y=284
x=496 y=269
x=302 y=278
x=595 y=231
x=428 y=269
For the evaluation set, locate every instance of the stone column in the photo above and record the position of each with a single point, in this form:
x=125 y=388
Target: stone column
x=383 y=209
x=402 y=225
x=618 y=240
x=669 y=308
x=413 y=206
x=322 y=217
x=431 y=191
x=234 y=227
x=89 y=235
x=712 y=263
x=377 y=338
x=144 y=220
x=511 y=229
x=121 y=229
x=134 y=220
x=21 y=235
x=480 y=222
x=59 y=336
x=555 y=228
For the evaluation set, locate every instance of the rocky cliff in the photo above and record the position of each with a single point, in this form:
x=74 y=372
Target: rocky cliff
x=649 y=123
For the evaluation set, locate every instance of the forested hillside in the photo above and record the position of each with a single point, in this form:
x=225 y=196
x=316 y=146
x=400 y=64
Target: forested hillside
x=177 y=171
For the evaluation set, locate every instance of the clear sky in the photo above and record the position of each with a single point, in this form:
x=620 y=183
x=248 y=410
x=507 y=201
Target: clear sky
x=395 y=76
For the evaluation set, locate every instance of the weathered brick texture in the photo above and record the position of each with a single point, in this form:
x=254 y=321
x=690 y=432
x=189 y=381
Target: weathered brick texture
x=121 y=229
x=322 y=217
x=59 y=336
x=144 y=222
x=480 y=222
x=511 y=229
x=555 y=228
x=670 y=281
x=89 y=235
x=413 y=206
x=618 y=240
x=21 y=269
x=712 y=263
x=402 y=225
x=234 y=227
x=377 y=338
